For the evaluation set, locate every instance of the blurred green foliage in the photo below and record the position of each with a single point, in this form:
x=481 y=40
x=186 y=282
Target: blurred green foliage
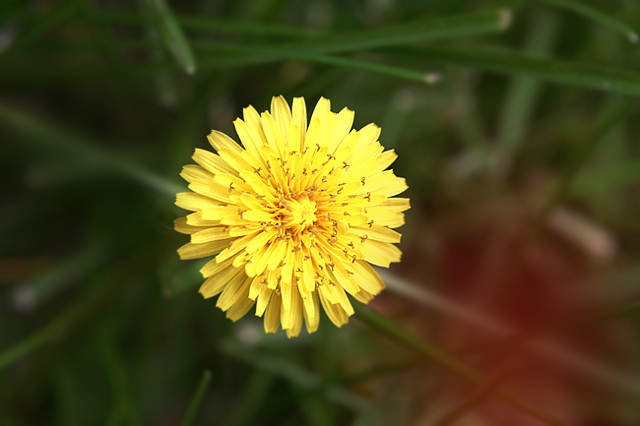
x=516 y=127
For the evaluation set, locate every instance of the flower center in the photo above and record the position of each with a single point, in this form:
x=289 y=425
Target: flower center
x=298 y=214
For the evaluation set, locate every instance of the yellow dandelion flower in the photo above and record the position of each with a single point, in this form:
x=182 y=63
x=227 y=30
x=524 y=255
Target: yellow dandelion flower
x=295 y=218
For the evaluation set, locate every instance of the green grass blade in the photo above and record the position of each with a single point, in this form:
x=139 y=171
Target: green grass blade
x=83 y=150
x=523 y=90
x=604 y=78
x=196 y=400
x=89 y=305
x=42 y=26
x=596 y=15
x=613 y=118
x=478 y=396
x=225 y=26
x=294 y=374
x=255 y=394
x=164 y=21
x=453 y=364
x=606 y=178
x=432 y=29
x=252 y=54
x=35 y=292
x=567 y=359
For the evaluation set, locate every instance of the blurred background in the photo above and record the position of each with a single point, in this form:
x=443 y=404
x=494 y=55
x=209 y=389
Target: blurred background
x=516 y=128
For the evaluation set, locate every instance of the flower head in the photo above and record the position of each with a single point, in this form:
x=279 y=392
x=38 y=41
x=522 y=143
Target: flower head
x=295 y=217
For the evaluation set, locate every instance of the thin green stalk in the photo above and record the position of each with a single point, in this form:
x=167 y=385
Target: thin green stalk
x=431 y=29
x=607 y=178
x=477 y=397
x=569 y=360
x=255 y=394
x=604 y=78
x=259 y=54
x=294 y=374
x=38 y=290
x=411 y=341
x=246 y=28
x=163 y=20
x=94 y=302
x=83 y=150
x=196 y=399
x=523 y=90
x=42 y=26
x=48 y=333
x=601 y=130
x=422 y=30
x=596 y=15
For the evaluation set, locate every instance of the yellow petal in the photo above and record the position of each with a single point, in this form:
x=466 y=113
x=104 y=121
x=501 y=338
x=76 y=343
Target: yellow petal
x=214 y=267
x=376 y=232
x=281 y=113
x=385 y=160
x=212 y=162
x=191 y=171
x=215 y=284
x=237 y=287
x=211 y=234
x=394 y=187
x=299 y=117
x=272 y=317
x=219 y=140
x=343 y=127
x=196 y=219
x=263 y=300
x=397 y=204
x=183 y=227
x=210 y=189
x=197 y=251
x=335 y=312
x=366 y=277
x=380 y=254
x=194 y=202
x=311 y=312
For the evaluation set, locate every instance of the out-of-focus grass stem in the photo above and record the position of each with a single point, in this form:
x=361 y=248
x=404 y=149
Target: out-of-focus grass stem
x=612 y=119
x=523 y=91
x=596 y=15
x=605 y=78
x=295 y=375
x=83 y=150
x=400 y=335
x=196 y=400
x=161 y=17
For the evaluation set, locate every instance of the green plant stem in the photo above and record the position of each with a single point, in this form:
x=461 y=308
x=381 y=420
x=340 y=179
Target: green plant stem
x=294 y=374
x=84 y=150
x=161 y=17
x=411 y=341
x=604 y=78
x=523 y=90
x=600 y=131
x=42 y=26
x=196 y=399
x=587 y=11
x=246 y=28
x=478 y=396
x=422 y=30
x=94 y=302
